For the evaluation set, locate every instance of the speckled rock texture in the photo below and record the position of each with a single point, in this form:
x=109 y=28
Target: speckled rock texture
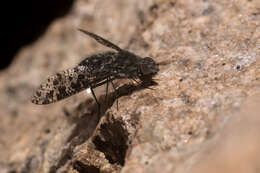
x=209 y=57
x=236 y=147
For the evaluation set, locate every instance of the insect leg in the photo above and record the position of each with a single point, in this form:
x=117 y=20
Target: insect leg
x=102 y=82
x=107 y=84
x=92 y=91
x=109 y=79
x=116 y=93
x=101 y=40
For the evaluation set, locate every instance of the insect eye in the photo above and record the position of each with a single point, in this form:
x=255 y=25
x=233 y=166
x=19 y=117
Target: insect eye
x=144 y=69
x=148 y=66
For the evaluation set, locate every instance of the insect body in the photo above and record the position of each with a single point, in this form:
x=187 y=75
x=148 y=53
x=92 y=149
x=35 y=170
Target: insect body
x=94 y=71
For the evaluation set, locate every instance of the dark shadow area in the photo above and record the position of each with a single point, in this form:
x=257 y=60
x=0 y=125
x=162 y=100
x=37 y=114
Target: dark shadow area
x=112 y=138
x=25 y=21
x=80 y=167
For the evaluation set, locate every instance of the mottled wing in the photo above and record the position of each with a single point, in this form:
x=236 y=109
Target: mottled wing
x=101 y=40
x=61 y=86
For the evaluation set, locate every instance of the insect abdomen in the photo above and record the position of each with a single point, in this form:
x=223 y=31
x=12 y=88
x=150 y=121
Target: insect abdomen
x=61 y=85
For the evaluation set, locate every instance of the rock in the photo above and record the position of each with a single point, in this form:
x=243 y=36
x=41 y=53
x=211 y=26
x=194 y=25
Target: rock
x=208 y=53
x=235 y=148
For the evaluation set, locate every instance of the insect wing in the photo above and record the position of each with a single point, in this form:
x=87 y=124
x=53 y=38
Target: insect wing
x=101 y=40
x=61 y=86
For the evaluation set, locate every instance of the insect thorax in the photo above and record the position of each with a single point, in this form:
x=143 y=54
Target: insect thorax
x=121 y=64
x=98 y=64
x=129 y=65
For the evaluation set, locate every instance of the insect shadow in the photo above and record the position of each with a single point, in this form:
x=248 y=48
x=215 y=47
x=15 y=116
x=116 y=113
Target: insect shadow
x=108 y=99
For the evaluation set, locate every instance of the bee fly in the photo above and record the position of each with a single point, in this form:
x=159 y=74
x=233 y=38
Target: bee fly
x=95 y=71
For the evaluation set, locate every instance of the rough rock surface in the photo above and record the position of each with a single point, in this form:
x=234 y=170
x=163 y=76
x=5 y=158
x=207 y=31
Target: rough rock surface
x=236 y=147
x=209 y=56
